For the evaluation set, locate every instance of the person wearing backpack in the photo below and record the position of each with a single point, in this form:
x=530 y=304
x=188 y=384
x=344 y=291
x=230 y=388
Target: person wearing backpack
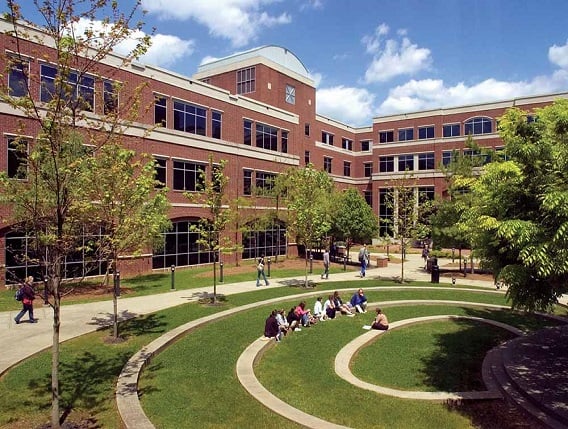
x=28 y=296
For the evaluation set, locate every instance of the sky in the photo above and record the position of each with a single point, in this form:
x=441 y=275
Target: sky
x=376 y=57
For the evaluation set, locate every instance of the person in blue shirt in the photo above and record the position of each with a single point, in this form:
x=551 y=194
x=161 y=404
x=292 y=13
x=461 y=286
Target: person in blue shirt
x=359 y=301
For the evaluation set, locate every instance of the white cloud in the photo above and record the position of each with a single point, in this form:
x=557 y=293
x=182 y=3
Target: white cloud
x=240 y=21
x=311 y=4
x=164 y=51
x=558 y=55
x=352 y=106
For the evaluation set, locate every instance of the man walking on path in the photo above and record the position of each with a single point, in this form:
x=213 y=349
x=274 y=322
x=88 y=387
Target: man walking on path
x=27 y=301
x=363 y=259
x=325 y=264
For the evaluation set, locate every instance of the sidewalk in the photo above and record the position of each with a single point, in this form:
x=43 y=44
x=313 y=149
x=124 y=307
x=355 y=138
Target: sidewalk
x=23 y=340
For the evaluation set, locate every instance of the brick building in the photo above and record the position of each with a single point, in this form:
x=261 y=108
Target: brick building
x=257 y=110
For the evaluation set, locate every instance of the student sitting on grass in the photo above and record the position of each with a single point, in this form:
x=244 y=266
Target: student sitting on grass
x=341 y=306
x=304 y=314
x=271 y=329
x=359 y=301
x=329 y=307
x=293 y=320
x=381 y=322
x=283 y=324
x=318 y=310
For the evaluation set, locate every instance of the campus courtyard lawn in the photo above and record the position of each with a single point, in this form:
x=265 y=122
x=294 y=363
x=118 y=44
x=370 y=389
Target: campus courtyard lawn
x=193 y=381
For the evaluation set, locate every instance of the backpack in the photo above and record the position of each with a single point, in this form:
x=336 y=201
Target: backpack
x=19 y=294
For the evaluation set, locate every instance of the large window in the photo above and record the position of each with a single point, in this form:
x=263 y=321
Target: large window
x=451 y=130
x=75 y=89
x=216 y=124
x=327 y=138
x=181 y=248
x=347 y=168
x=365 y=145
x=347 y=144
x=266 y=137
x=368 y=195
x=478 y=125
x=161 y=169
x=160 y=110
x=327 y=164
x=386 y=136
x=368 y=169
x=426 y=161
x=405 y=134
x=448 y=157
x=268 y=242
x=246 y=80
x=264 y=182
x=386 y=212
x=188 y=176
x=405 y=162
x=290 y=94
x=189 y=118
x=247 y=182
x=284 y=141
x=247 y=132
x=18 y=78
x=426 y=132
x=386 y=164
x=17 y=158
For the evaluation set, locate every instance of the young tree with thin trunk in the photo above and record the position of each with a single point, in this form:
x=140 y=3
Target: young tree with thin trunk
x=48 y=204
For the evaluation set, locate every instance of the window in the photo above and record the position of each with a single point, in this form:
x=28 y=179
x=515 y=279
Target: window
x=247 y=132
x=405 y=134
x=478 y=125
x=368 y=168
x=306 y=157
x=478 y=158
x=447 y=157
x=451 y=130
x=266 y=137
x=386 y=212
x=110 y=97
x=307 y=130
x=365 y=145
x=160 y=111
x=188 y=176
x=426 y=161
x=269 y=242
x=17 y=158
x=386 y=136
x=18 y=77
x=160 y=166
x=368 y=197
x=327 y=138
x=246 y=80
x=284 y=142
x=501 y=154
x=189 y=118
x=327 y=164
x=346 y=168
x=426 y=132
x=290 y=94
x=426 y=194
x=347 y=144
x=247 y=182
x=264 y=182
x=76 y=89
x=216 y=122
x=386 y=164
x=405 y=162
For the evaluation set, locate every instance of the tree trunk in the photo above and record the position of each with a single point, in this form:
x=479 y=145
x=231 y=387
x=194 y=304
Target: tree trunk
x=55 y=355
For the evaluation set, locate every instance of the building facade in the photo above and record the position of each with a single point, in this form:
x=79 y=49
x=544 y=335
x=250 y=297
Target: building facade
x=257 y=111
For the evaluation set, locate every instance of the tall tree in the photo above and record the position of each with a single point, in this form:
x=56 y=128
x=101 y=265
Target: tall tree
x=131 y=207
x=518 y=221
x=212 y=193
x=46 y=205
x=308 y=193
x=353 y=220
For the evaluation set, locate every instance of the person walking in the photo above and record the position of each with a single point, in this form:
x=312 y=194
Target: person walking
x=27 y=301
x=260 y=272
x=363 y=259
x=325 y=264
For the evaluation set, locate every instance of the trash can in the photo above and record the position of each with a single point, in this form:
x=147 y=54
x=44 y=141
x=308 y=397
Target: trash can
x=435 y=274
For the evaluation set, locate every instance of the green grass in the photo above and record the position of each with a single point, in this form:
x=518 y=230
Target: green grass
x=193 y=381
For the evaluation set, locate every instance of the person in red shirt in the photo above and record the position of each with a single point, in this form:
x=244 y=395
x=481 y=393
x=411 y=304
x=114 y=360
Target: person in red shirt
x=27 y=301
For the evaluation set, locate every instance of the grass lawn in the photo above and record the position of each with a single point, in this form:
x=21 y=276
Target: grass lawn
x=193 y=381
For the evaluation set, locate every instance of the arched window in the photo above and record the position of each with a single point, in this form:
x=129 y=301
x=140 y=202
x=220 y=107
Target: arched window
x=478 y=125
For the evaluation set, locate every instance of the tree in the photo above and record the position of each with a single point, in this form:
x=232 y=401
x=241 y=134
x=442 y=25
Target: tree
x=47 y=205
x=212 y=193
x=353 y=219
x=129 y=209
x=308 y=195
x=518 y=221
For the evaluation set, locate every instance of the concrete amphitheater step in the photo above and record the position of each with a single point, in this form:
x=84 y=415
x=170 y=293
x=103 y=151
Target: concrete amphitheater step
x=537 y=399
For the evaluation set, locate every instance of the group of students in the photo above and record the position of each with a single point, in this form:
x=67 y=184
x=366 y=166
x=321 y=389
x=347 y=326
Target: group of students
x=278 y=324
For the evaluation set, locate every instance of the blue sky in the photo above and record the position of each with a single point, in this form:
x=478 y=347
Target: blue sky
x=376 y=57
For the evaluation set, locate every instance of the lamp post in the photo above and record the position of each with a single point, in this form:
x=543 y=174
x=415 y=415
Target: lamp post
x=268 y=271
x=173 y=269
x=45 y=297
x=221 y=272
x=311 y=262
x=117 y=284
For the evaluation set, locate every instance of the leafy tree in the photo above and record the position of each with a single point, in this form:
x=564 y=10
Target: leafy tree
x=47 y=205
x=518 y=221
x=129 y=209
x=353 y=219
x=212 y=193
x=308 y=194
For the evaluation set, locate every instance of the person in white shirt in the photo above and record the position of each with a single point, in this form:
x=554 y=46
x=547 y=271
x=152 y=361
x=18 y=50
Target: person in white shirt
x=318 y=310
